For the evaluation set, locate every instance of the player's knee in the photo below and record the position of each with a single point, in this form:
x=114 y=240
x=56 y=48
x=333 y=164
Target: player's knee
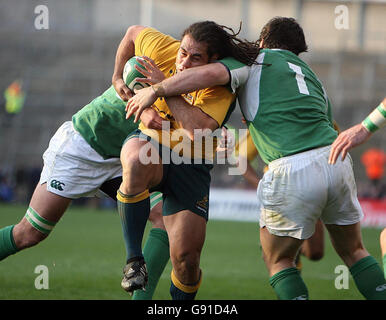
x=156 y=218
x=186 y=262
x=315 y=255
x=135 y=174
x=130 y=161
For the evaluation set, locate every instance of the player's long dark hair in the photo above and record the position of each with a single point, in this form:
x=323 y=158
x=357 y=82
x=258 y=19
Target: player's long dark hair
x=223 y=41
x=283 y=33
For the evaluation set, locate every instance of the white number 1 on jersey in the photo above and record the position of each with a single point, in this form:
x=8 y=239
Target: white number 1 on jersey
x=299 y=78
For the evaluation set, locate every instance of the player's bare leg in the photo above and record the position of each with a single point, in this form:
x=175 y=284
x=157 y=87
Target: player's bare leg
x=279 y=255
x=313 y=248
x=347 y=241
x=186 y=232
x=278 y=252
x=134 y=206
x=45 y=210
x=367 y=274
x=49 y=206
x=382 y=240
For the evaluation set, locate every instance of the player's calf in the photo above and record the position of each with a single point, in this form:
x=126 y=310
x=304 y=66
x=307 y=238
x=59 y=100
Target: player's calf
x=32 y=229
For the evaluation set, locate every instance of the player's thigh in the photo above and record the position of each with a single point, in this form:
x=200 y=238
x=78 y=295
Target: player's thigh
x=186 y=231
x=141 y=163
x=48 y=205
x=313 y=247
x=276 y=248
x=347 y=241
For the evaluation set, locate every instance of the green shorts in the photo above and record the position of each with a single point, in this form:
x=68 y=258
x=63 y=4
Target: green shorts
x=184 y=186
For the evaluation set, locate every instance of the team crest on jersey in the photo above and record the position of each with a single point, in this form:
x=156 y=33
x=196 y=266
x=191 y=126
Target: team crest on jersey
x=203 y=204
x=188 y=98
x=57 y=185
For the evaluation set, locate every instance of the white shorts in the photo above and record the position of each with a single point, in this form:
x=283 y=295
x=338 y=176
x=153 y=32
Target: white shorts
x=73 y=169
x=298 y=190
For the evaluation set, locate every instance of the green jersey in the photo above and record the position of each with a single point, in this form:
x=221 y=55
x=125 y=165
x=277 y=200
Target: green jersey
x=103 y=125
x=285 y=106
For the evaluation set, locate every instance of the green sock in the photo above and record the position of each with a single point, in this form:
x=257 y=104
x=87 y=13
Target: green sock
x=369 y=278
x=7 y=244
x=289 y=285
x=156 y=253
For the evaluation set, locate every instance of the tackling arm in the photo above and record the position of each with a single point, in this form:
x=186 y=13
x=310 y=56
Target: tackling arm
x=190 y=118
x=192 y=79
x=189 y=80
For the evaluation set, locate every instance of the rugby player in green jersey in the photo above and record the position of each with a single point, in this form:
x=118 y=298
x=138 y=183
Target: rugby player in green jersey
x=289 y=116
x=83 y=159
x=355 y=136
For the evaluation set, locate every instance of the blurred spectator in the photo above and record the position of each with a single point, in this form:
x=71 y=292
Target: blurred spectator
x=374 y=161
x=6 y=192
x=14 y=97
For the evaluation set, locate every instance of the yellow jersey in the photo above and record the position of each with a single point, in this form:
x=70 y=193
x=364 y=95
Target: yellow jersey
x=217 y=102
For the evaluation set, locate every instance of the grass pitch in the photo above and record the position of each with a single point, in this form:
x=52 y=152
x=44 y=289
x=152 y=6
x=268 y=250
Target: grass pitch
x=85 y=256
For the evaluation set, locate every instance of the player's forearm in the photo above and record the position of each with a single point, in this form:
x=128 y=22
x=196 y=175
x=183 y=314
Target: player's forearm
x=376 y=119
x=193 y=79
x=251 y=176
x=125 y=51
x=189 y=117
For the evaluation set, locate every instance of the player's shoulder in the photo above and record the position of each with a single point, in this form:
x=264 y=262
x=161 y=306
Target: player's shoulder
x=151 y=40
x=149 y=32
x=279 y=55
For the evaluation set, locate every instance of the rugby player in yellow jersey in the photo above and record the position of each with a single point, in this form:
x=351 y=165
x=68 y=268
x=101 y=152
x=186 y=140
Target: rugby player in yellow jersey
x=185 y=185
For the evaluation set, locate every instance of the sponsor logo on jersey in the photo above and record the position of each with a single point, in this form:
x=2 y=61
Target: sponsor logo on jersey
x=188 y=98
x=57 y=185
x=203 y=204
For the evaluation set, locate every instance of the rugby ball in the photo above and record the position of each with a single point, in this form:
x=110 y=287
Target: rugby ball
x=130 y=73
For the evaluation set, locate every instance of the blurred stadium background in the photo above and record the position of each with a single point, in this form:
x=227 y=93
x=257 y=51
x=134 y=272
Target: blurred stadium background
x=62 y=68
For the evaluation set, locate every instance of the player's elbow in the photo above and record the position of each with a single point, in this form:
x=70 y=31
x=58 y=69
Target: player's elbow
x=133 y=31
x=217 y=74
x=201 y=130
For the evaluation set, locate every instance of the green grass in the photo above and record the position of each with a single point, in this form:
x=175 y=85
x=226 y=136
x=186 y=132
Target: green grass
x=85 y=256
